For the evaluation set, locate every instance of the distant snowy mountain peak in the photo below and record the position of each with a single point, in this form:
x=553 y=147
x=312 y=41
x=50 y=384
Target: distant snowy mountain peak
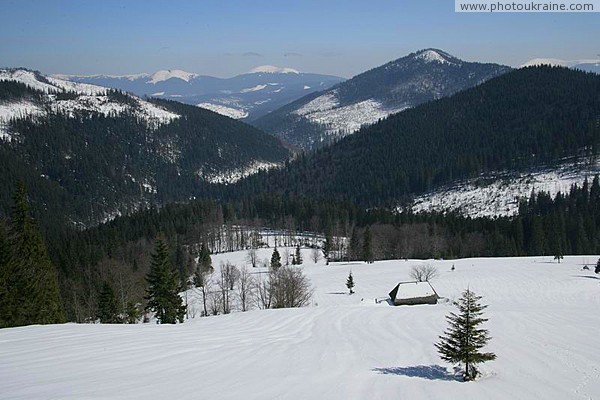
x=165 y=75
x=437 y=56
x=248 y=96
x=271 y=69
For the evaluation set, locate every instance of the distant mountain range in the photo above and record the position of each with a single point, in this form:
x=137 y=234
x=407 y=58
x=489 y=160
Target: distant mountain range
x=320 y=118
x=583 y=65
x=514 y=131
x=88 y=153
x=246 y=96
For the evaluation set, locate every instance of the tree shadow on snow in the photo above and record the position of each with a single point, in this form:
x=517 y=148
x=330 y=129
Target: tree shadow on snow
x=587 y=276
x=337 y=292
x=431 y=372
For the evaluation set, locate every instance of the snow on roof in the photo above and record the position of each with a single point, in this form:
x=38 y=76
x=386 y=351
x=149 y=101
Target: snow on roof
x=414 y=290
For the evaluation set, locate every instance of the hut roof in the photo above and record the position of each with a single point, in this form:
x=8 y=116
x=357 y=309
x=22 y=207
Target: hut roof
x=412 y=290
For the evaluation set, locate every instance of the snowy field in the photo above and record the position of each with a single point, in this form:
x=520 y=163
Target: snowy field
x=543 y=319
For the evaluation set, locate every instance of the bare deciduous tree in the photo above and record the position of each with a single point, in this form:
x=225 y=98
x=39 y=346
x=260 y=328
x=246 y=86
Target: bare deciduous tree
x=289 y=288
x=423 y=273
x=315 y=254
x=252 y=257
x=263 y=293
x=245 y=288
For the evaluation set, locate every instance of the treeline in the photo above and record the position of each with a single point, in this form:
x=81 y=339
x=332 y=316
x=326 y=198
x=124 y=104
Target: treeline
x=116 y=256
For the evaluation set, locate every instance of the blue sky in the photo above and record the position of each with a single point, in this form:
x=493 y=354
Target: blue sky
x=228 y=37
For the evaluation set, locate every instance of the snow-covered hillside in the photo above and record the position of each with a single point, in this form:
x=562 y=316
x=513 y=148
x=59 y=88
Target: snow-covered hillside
x=85 y=98
x=422 y=76
x=499 y=194
x=230 y=112
x=325 y=110
x=233 y=175
x=542 y=319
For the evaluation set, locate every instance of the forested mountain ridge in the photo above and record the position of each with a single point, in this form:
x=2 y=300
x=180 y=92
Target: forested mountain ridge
x=88 y=153
x=319 y=119
x=517 y=121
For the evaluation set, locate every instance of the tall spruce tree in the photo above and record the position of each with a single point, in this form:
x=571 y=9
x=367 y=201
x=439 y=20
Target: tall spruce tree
x=275 y=260
x=368 y=246
x=462 y=341
x=29 y=291
x=108 y=310
x=162 y=291
x=298 y=256
x=204 y=259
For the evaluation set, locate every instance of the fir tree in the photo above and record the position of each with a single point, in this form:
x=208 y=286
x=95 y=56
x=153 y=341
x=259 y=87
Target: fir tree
x=368 y=246
x=298 y=256
x=327 y=247
x=350 y=282
x=28 y=280
x=597 y=269
x=162 y=291
x=354 y=248
x=204 y=259
x=108 y=312
x=275 y=260
x=463 y=339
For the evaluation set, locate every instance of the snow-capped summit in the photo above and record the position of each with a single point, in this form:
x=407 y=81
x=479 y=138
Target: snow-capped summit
x=271 y=69
x=171 y=73
x=435 y=55
x=319 y=119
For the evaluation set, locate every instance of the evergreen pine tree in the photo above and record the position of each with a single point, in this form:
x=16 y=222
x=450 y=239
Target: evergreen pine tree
x=108 y=311
x=368 y=246
x=275 y=260
x=29 y=291
x=162 y=291
x=204 y=259
x=350 y=282
x=597 y=269
x=354 y=247
x=463 y=339
x=298 y=256
x=327 y=247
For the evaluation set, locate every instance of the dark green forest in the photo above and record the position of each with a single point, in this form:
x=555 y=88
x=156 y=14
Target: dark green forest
x=87 y=167
x=519 y=121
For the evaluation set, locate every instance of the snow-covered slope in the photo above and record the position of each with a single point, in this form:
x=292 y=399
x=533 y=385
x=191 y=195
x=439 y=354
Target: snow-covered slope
x=316 y=120
x=252 y=94
x=83 y=97
x=273 y=70
x=499 y=194
x=541 y=314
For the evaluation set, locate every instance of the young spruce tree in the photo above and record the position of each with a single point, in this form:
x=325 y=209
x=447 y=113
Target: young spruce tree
x=463 y=340
x=350 y=282
x=275 y=260
x=162 y=291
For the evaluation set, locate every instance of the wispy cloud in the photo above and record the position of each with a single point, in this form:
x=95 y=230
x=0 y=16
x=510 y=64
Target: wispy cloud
x=252 y=54
x=292 y=55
